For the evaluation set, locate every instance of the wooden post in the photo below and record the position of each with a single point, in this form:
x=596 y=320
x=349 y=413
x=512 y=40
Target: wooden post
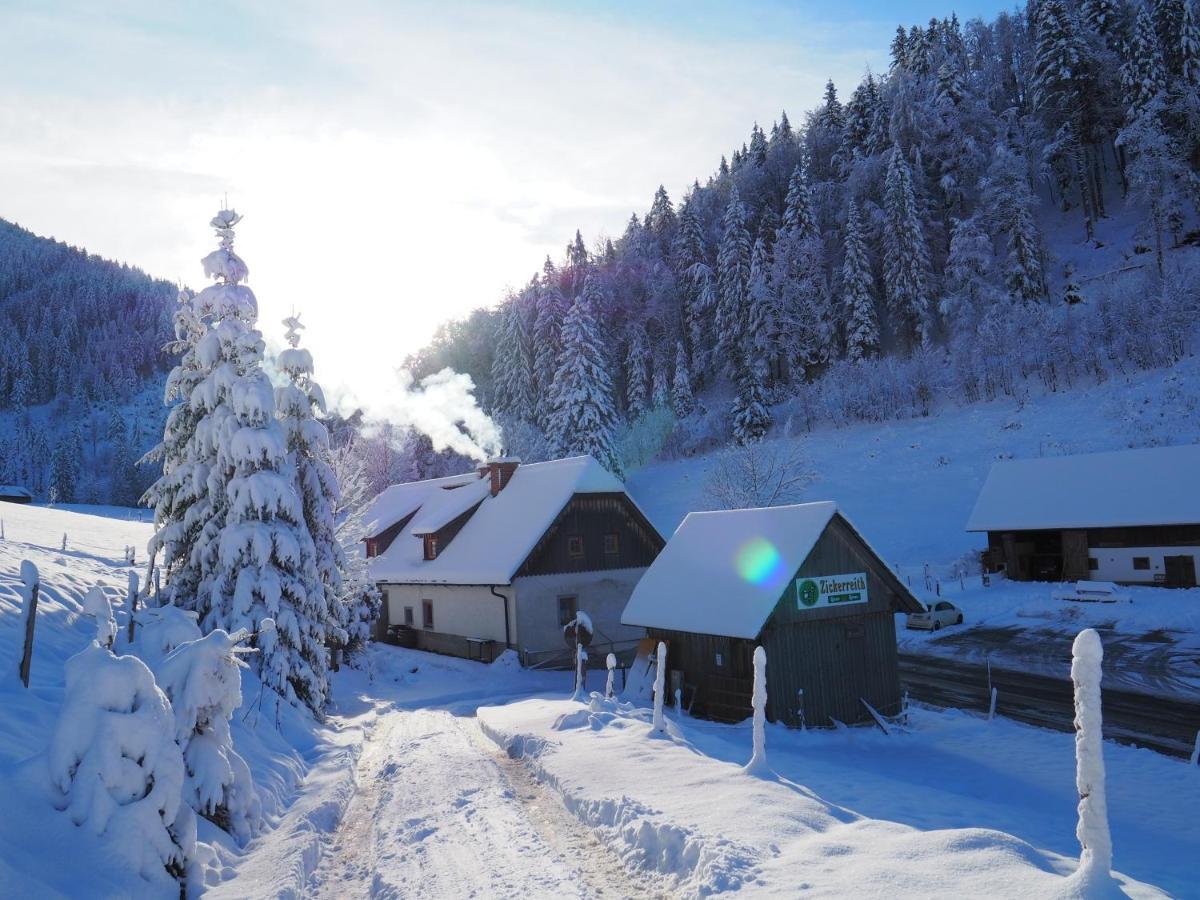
x=29 y=574
x=131 y=601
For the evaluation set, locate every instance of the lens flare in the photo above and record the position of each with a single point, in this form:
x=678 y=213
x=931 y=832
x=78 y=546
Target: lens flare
x=758 y=561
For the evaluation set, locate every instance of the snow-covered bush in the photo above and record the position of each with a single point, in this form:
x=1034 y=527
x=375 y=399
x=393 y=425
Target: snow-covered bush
x=97 y=605
x=766 y=473
x=160 y=629
x=202 y=679
x=115 y=767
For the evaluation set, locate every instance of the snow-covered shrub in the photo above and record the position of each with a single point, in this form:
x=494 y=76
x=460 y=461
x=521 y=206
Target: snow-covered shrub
x=203 y=681
x=767 y=473
x=97 y=605
x=160 y=629
x=115 y=767
x=642 y=440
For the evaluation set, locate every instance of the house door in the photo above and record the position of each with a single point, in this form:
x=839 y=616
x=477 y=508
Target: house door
x=1075 y=555
x=1181 y=571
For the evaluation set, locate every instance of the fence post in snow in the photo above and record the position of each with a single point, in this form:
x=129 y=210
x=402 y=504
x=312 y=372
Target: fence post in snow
x=64 y=546
x=131 y=601
x=580 y=658
x=758 y=758
x=660 y=675
x=611 y=664
x=1095 y=860
x=29 y=575
x=992 y=706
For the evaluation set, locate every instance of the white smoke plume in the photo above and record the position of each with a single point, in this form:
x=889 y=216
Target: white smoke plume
x=443 y=407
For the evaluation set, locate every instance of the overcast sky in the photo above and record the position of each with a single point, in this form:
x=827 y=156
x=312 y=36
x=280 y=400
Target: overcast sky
x=397 y=164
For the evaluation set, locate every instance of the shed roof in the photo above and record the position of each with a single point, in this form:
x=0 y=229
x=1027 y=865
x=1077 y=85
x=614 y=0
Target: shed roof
x=498 y=536
x=723 y=572
x=1152 y=486
x=14 y=490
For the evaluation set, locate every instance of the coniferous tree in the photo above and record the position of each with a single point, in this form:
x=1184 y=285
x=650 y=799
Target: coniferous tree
x=258 y=557
x=751 y=416
x=512 y=364
x=682 y=400
x=1144 y=74
x=906 y=257
x=637 y=371
x=547 y=337
x=584 y=418
x=182 y=506
x=862 y=324
x=297 y=405
x=733 y=274
x=969 y=289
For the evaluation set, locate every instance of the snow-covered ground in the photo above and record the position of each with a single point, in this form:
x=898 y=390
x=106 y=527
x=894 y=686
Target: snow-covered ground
x=298 y=766
x=909 y=487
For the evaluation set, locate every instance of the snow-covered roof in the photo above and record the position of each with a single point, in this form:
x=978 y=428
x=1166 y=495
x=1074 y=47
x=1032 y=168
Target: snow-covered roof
x=1153 y=486
x=13 y=490
x=497 y=537
x=399 y=500
x=723 y=572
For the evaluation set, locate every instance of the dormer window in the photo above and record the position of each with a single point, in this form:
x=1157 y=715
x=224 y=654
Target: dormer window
x=431 y=546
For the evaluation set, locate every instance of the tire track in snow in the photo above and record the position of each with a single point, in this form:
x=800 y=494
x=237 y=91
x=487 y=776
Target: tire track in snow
x=437 y=815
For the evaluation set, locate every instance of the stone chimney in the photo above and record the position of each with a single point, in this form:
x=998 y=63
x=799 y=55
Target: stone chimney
x=500 y=471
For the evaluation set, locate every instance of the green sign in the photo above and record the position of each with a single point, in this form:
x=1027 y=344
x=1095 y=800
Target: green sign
x=831 y=590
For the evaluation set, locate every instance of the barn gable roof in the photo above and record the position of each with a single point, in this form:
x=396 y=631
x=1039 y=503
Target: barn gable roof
x=501 y=531
x=723 y=573
x=1152 y=486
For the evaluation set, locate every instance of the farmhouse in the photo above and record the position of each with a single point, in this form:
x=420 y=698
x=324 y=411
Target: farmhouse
x=11 y=493
x=1132 y=517
x=504 y=557
x=799 y=581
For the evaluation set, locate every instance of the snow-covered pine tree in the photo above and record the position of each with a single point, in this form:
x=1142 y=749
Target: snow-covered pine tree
x=1023 y=267
x=802 y=320
x=114 y=764
x=1189 y=47
x=906 y=257
x=297 y=405
x=660 y=392
x=762 y=334
x=797 y=208
x=203 y=681
x=1010 y=203
x=547 y=339
x=583 y=394
x=733 y=274
x=512 y=364
x=1143 y=74
x=969 y=287
x=260 y=559
x=1168 y=24
x=751 y=415
x=682 y=400
x=637 y=371
x=692 y=266
x=858 y=295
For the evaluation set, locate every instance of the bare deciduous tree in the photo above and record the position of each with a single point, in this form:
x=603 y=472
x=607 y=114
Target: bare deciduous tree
x=765 y=473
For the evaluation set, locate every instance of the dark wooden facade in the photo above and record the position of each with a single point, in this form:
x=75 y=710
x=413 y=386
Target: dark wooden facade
x=821 y=662
x=1062 y=554
x=580 y=538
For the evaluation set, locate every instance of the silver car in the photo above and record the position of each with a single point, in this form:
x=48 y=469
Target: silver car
x=941 y=613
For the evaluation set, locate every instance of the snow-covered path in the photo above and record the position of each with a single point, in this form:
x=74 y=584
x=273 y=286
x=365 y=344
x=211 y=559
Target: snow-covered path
x=440 y=812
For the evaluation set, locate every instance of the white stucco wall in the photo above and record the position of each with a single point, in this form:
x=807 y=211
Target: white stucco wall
x=602 y=595
x=467 y=610
x=1116 y=563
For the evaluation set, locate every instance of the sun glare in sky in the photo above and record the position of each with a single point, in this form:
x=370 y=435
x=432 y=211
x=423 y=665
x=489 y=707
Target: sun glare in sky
x=397 y=164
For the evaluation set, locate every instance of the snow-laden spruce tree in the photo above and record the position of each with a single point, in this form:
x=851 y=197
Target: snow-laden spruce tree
x=260 y=562
x=547 y=339
x=733 y=276
x=360 y=597
x=751 y=415
x=637 y=371
x=583 y=394
x=203 y=681
x=182 y=506
x=115 y=768
x=512 y=364
x=858 y=295
x=683 y=402
x=802 y=316
x=1143 y=74
x=906 y=256
x=297 y=405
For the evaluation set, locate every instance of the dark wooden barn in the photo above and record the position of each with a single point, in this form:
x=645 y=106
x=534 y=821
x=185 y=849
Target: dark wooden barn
x=1131 y=517
x=799 y=581
x=11 y=493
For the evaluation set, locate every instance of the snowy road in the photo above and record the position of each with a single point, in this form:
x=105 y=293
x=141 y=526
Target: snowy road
x=441 y=812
